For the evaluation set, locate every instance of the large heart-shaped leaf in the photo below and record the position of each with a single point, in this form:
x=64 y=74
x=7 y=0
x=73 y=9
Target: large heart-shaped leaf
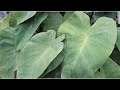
x=38 y=53
x=12 y=41
x=53 y=21
x=86 y=48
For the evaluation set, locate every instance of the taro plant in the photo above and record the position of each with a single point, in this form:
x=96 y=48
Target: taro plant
x=59 y=45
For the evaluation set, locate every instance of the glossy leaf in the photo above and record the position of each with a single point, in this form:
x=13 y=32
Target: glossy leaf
x=86 y=48
x=38 y=53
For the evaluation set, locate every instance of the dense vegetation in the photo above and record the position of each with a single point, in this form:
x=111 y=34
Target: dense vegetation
x=59 y=44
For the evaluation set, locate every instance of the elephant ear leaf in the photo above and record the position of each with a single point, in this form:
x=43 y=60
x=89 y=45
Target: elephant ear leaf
x=12 y=40
x=38 y=53
x=86 y=48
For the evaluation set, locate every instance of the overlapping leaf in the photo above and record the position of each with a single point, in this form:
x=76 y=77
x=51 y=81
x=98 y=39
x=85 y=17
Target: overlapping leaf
x=38 y=53
x=111 y=69
x=86 y=48
x=118 y=38
x=12 y=41
x=54 y=64
x=25 y=31
x=15 y=18
x=53 y=21
x=18 y=17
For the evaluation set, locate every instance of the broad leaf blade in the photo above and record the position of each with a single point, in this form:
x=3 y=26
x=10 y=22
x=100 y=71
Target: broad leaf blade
x=67 y=15
x=25 y=31
x=52 y=22
x=111 y=69
x=87 y=48
x=38 y=53
x=54 y=64
x=12 y=41
x=17 y=18
x=7 y=53
x=4 y=22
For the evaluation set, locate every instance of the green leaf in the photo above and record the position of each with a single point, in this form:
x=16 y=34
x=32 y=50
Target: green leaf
x=54 y=64
x=17 y=18
x=7 y=53
x=38 y=53
x=4 y=23
x=25 y=31
x=56 y=73
x=86 y=48
x=100 y=73
x=115 y=55
x=107 y=14
x=67 y=15
x=111 y=69
x=53 y=21
x=12 y=41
